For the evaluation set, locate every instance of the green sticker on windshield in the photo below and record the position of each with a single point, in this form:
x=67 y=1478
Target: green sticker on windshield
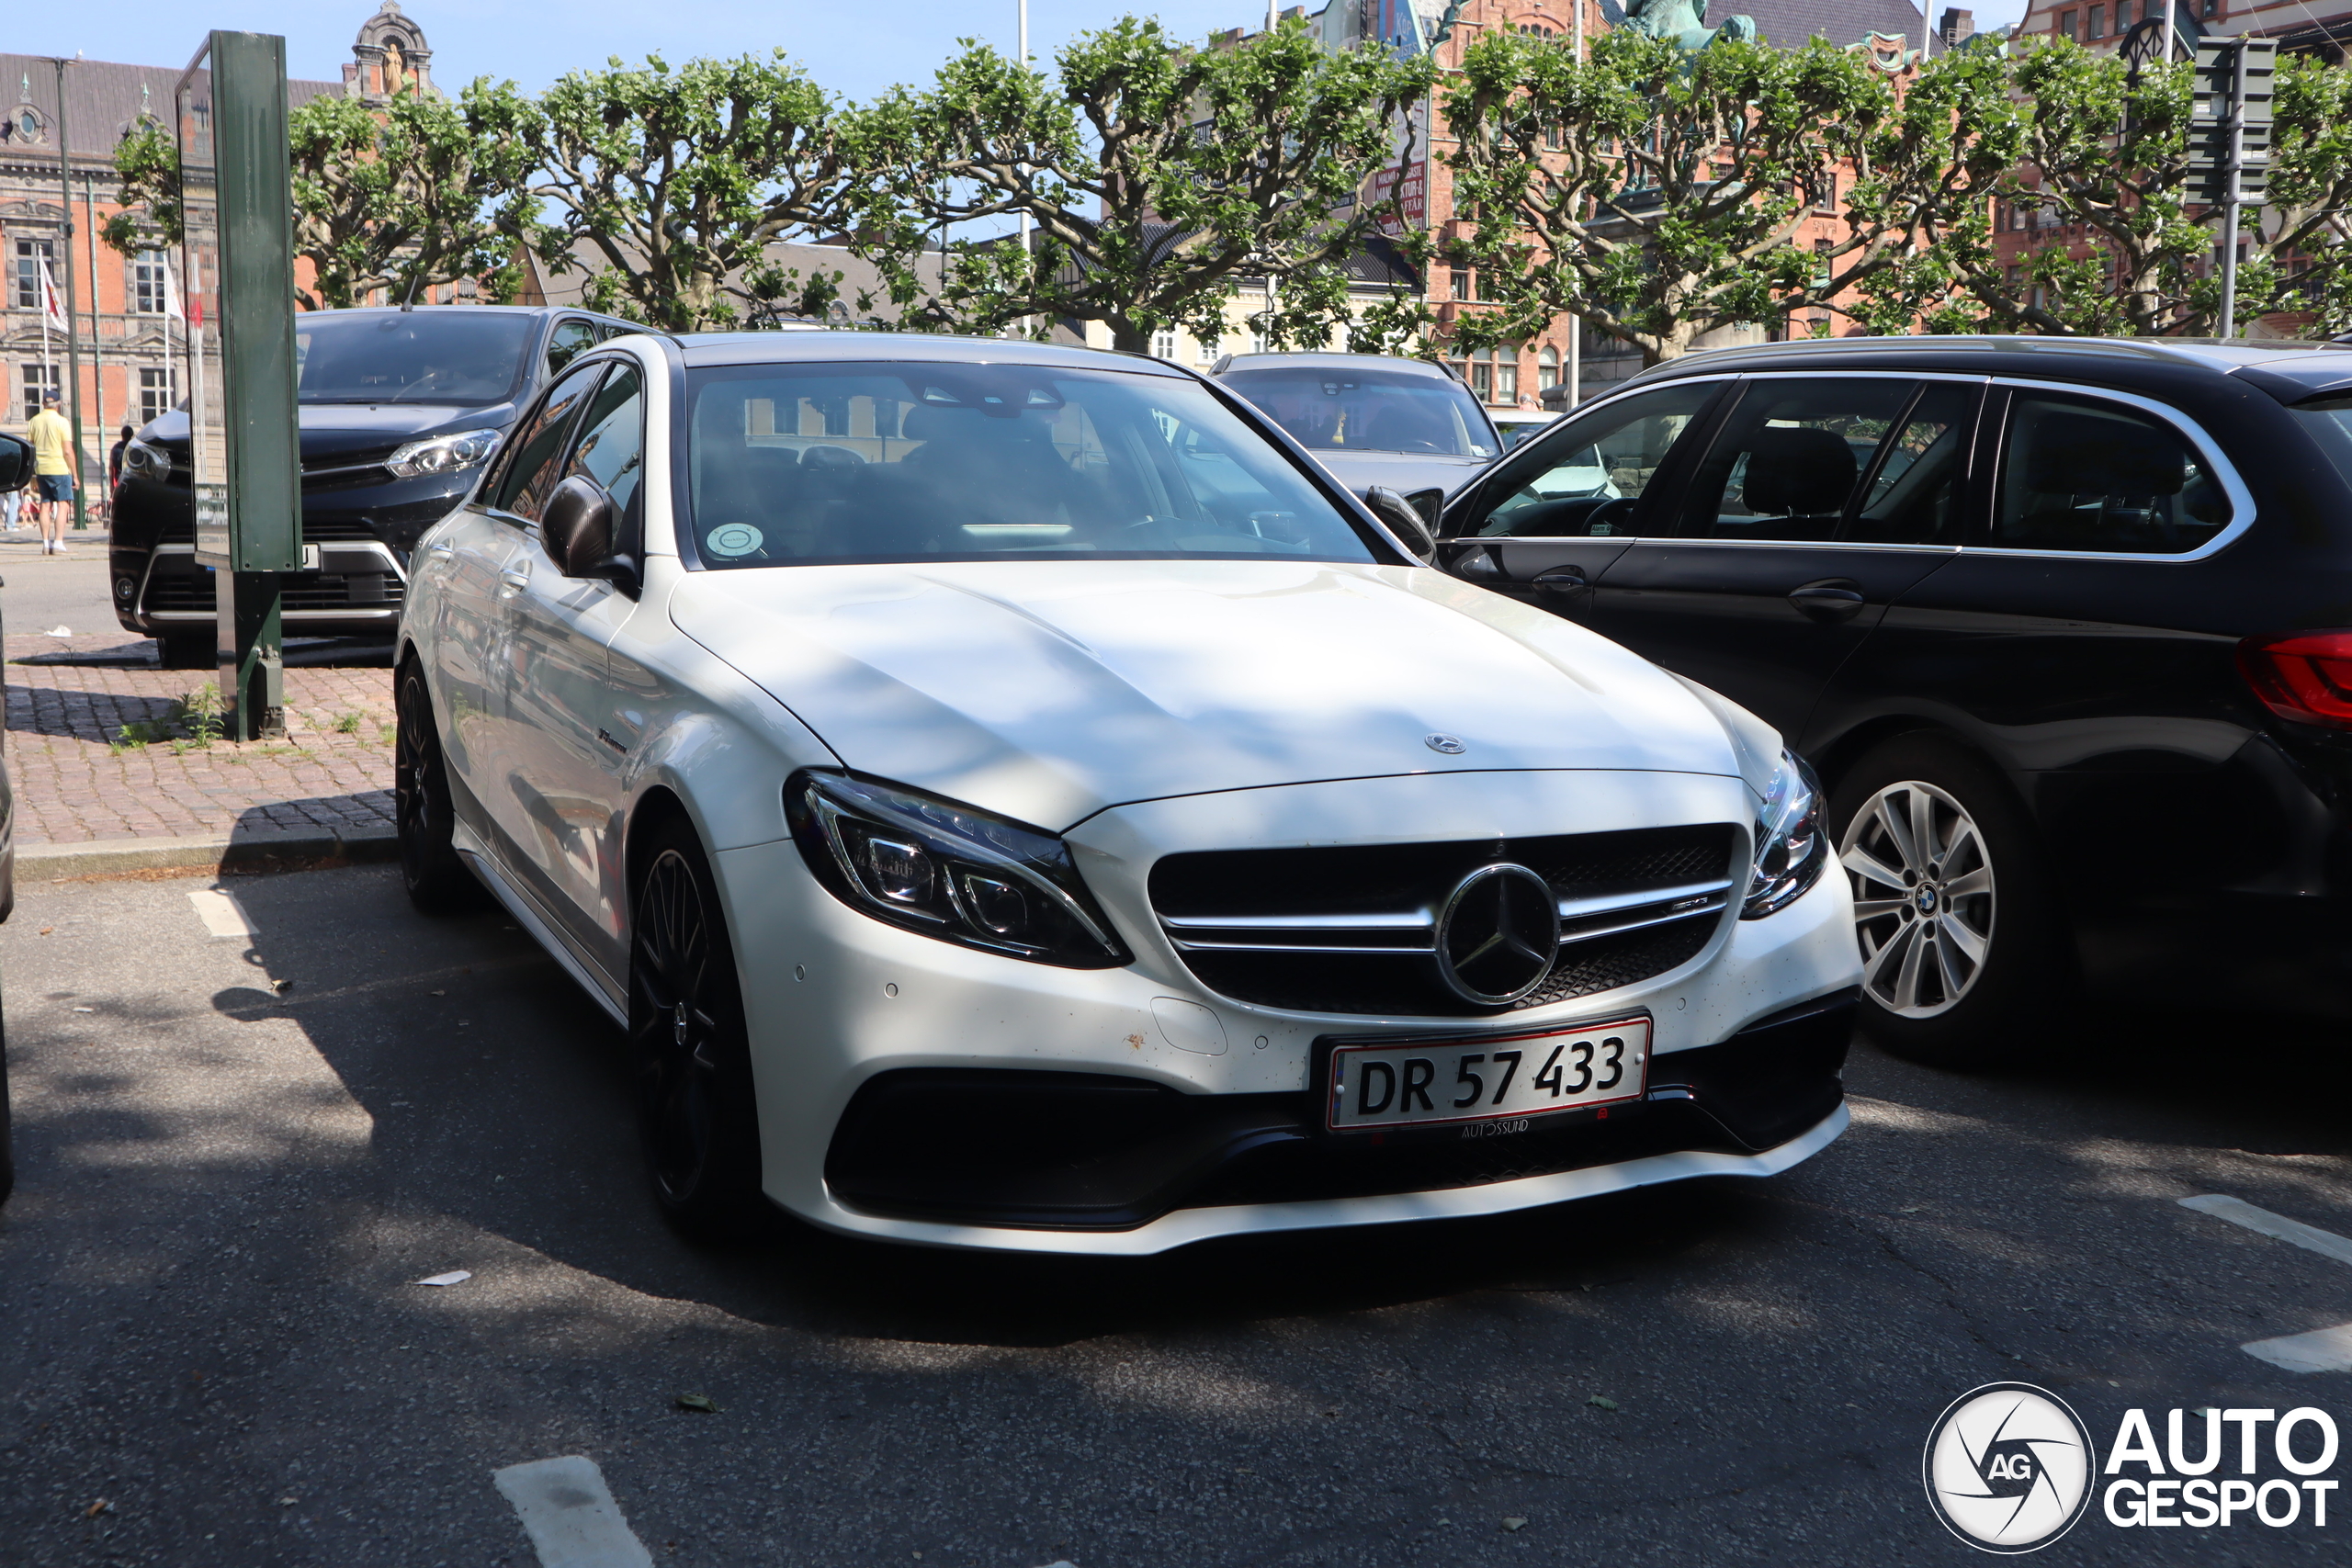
x=735 y=539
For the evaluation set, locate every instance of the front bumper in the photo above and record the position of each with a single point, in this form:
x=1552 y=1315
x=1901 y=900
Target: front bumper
x=842 y=1008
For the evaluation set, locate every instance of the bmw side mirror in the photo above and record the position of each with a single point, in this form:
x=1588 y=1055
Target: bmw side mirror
x=15 y=462
x=577 y=528
x=1403 y=520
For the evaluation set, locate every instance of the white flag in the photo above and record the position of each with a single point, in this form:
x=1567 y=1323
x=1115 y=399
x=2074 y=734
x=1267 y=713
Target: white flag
x=171 y=307
x=52 y=307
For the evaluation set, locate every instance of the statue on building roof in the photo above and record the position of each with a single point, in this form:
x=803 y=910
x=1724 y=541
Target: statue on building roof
x=1680 y=21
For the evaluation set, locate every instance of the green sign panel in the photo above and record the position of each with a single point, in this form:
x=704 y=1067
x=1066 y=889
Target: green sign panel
x=236 y=187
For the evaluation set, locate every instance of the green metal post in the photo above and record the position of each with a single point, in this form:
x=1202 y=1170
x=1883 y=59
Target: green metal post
x=238 y=202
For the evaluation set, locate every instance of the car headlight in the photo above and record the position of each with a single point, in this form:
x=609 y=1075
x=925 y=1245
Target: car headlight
x=948 y=871
x=146 y=462
x=444 y=453
x=1790 y=848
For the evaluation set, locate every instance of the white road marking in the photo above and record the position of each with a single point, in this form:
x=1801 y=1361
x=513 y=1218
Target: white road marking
x=221 y=914
x=2327 y=1244
x=569 y=1514
x=2321 y=1351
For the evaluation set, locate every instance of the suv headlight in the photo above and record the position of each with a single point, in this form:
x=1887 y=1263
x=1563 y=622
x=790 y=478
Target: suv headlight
x=1790 y=847
x=444 y=453
x=146 y=462
x=948 y=871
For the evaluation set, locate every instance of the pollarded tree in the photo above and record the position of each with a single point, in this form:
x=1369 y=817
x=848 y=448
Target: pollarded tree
x=673 y=181
x=1158 y=178
x=2115 y=246
x=398 y=197
x=1657 y=193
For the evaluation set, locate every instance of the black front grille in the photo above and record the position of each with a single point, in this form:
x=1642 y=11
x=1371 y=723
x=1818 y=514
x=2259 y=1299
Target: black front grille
x=1390 y=971
x=192 y=593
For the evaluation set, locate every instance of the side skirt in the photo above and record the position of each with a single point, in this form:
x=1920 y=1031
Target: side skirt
x=543 y=931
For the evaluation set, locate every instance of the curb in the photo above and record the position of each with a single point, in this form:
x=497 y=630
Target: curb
x=242 y=851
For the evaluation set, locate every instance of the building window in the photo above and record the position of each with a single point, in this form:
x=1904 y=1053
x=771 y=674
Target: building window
x=157 y=393
x=147 y=290
x=1204 y=352
x=1547 y=369
x=38 y=380
x=1257 y=343
x=2066 y=26
x=1823 y=267
x=1482 y=375
x=1506 y=375
x=2095 y=24
x=25 y=270
x=1462 y=282
x=1163 y=345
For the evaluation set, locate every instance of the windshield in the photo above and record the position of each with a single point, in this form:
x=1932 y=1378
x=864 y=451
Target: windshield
x=471 y=357
x=794 y=465
x=1370 y=410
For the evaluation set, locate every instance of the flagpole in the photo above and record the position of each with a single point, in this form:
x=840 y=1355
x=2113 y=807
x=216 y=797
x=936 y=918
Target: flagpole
x=73 y=325
x=97 y=330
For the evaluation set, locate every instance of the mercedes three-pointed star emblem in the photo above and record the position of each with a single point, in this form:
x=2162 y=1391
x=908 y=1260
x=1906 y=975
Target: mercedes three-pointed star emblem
x=1498 y=935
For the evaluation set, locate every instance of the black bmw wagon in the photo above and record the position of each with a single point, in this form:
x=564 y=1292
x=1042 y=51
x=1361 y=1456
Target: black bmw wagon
x=2065 y=626
x=399 y=411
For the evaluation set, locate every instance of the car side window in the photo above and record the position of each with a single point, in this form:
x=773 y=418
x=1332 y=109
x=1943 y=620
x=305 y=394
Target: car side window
x=1586 y=477
x=611 y=449
x=532 y=472
x=572 y=335
x=1789 y=458
x=2080 y=473
x=1914 y=497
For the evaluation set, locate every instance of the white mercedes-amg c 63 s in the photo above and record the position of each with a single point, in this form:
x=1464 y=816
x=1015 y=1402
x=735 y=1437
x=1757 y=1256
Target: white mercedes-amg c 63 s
x=1013 y=798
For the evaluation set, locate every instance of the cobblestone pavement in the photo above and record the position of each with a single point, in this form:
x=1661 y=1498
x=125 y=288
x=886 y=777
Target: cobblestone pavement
x=78 y=778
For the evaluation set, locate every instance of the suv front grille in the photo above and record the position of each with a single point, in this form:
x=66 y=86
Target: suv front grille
x=1353 y=929
x=298 y=591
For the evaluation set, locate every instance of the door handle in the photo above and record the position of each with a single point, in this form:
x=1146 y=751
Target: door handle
x=1563 y=580
x=443 y=552
x=1831 y=599
x=513 y=579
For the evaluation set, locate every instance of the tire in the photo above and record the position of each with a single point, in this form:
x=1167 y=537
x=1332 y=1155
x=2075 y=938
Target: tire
x=689 y=1049
x=185 y=650
x=1963 y=948
x=436 y=877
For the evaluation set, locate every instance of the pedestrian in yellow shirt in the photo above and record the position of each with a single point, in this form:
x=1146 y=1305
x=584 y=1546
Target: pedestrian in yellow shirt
x=52 y=441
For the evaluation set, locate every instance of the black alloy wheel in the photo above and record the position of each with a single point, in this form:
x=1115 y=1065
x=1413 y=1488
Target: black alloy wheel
x=1963 y=949
x=689 y=1048
x=436 y=877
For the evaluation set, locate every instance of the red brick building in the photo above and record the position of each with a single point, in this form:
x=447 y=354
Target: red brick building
x=52 y=208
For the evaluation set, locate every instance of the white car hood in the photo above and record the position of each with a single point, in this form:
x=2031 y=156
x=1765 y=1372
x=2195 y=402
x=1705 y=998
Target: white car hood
x=1048 y=691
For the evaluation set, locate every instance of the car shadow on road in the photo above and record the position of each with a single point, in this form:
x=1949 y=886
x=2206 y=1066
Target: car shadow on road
x=501 y=1097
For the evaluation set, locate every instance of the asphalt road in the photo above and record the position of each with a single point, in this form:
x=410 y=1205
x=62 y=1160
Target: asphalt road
x=211 y=1351
x=44 y=592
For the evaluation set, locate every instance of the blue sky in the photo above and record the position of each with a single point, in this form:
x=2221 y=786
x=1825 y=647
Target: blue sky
x=854 y=47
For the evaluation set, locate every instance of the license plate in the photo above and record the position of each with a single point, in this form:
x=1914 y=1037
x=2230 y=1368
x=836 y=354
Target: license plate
x=1489 y=1078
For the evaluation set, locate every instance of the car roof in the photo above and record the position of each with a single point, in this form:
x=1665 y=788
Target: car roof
x=457 y=311
x=2312 y=366
x=1327 y=361
x=918 y=349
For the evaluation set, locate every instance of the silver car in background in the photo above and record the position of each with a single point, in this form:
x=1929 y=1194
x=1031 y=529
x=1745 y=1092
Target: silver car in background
x=1406 y=424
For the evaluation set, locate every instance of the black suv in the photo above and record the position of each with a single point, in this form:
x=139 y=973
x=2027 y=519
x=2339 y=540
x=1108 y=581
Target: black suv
x=399 y=410
x=2065 y=626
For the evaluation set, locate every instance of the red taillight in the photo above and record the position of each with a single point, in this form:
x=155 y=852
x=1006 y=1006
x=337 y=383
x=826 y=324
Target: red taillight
x=2306 y=677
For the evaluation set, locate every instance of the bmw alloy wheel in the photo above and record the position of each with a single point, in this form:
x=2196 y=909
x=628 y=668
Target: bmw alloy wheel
x=1923 y=897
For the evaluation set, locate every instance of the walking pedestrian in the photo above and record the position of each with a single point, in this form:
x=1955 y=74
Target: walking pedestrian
x=52 y=441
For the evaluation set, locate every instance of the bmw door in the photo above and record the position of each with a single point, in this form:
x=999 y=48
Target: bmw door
x=558 y=800
x=1820 y=499
x=1553 y=516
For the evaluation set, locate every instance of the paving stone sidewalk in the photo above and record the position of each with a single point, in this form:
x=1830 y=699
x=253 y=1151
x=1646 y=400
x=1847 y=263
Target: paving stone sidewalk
x=77 y=780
